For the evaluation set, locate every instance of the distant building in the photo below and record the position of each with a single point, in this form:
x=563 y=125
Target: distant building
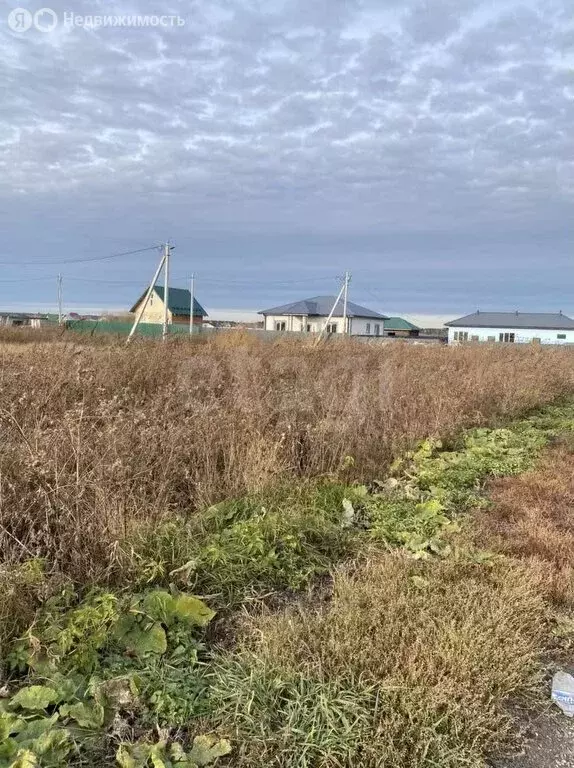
x=311 y=316
x=397 y=326
x=18 y=319
x=512 y=327
x=76 y=316
x=179 y=300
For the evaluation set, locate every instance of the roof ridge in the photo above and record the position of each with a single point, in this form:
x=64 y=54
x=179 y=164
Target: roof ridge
x=516 y=319
x=322 y=306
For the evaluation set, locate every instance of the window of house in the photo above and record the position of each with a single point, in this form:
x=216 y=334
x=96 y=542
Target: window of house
x=392 y=333
x=377 y=329
x=280 y=325
x=561 y=336
x=491 y=338
x=368 y=329
x=331 y=328
x=474 y=338
x=308 y=327
x=506 y=338
x=461 y=335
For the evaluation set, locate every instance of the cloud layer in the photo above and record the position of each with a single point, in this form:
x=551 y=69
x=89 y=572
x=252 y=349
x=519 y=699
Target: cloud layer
x=290 y=135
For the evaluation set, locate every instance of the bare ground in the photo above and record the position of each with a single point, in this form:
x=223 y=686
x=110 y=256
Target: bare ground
x=548 y=742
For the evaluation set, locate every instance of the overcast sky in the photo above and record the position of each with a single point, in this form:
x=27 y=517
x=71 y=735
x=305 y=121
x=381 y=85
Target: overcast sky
x=425 y=146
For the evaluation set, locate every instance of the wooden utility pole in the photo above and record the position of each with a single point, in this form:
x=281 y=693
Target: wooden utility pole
x=192 y=302
x=337 y=300
x=345 y=298
x=60 y=300
x=166 y=254
x=147 y=297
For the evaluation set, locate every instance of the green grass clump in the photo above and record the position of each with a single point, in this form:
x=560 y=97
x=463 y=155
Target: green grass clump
x=287 y=717
x=408 y=664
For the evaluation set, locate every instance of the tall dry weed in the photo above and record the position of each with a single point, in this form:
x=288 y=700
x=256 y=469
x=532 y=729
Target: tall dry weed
x=96 y=438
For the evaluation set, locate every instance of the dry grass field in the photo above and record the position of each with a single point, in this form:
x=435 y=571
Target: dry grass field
x=96 y=439
x=246 y=472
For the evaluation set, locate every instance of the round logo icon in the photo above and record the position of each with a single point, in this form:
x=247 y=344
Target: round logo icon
x=45 y=20
x=20 y=20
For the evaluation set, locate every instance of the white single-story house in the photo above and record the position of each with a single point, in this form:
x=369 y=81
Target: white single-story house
x=512 y=327
x=311 y=315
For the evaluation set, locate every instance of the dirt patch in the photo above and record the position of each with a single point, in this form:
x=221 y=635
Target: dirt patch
x=548 y=742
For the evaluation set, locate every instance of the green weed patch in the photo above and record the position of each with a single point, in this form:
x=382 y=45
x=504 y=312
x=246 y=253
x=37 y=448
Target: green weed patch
x=88 y=664
x=280 y=540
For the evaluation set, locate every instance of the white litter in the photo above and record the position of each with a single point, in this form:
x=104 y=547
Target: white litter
x=563 y=692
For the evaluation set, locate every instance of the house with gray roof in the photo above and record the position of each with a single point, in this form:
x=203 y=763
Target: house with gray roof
x=512 y=327
x=311 y=316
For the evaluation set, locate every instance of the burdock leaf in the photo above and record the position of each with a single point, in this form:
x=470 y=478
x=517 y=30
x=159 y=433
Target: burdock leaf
x=159 y=605
x=192 y=609
x=86 y=715
x=143 y=641
x=206 y=750
x=55 y=744
x=133 y=755
x=33 y=729
x=35 y=697
x=25 y=759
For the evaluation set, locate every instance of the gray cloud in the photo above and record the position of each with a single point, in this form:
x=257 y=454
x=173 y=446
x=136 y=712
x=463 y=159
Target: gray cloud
x=336 y=116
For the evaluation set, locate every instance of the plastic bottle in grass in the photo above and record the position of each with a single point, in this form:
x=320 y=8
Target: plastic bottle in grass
x=563 y=692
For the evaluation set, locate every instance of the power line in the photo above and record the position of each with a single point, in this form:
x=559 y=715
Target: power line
x=266 y=282
x=104 y=282
x=372 y=295
x=26 y=279
x=211 y=281
x=78 y=261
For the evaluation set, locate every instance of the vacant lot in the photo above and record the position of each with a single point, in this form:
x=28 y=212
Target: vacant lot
x=377 y=632
x=96 y=440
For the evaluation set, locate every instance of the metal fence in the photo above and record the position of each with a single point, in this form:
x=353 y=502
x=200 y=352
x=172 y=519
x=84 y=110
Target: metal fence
x=154 y=330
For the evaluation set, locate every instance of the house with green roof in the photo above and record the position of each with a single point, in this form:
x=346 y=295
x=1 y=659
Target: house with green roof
x=179 y=307
x=398 y=326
